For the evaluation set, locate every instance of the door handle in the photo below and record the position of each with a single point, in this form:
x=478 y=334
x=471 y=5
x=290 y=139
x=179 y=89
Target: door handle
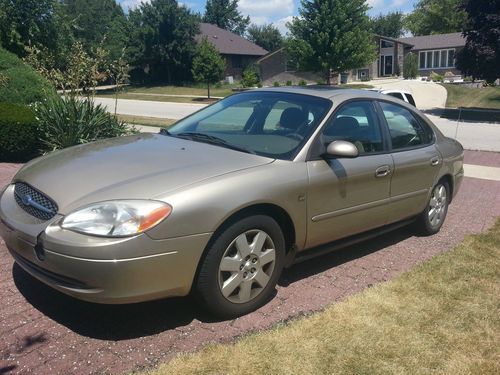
x=382 y=171
x=435 y=161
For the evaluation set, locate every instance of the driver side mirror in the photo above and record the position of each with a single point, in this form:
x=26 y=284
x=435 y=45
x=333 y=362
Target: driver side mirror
x=342 y=149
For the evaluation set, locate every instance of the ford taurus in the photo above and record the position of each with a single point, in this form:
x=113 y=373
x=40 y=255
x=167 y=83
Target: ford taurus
x=221 y=202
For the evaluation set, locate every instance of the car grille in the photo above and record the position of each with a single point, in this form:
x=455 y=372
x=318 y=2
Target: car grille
x=33 y=202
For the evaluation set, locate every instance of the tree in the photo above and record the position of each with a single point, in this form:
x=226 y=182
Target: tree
x=410 y=68
x=390 y=24
x=435 y=17
x=331 y=35
x=208 y=66
x=481 y=56
x=97 y=20
x=266 y=36
x=162 y=39
x=33 y=23
x=225 y=14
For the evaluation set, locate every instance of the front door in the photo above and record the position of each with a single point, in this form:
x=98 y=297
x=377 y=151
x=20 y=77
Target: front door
x=347 y=196
x=386 y=62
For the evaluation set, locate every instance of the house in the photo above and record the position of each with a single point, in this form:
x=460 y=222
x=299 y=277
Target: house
x=278 y=67
x=389 y=62
x=237 y=51
x=436 y=53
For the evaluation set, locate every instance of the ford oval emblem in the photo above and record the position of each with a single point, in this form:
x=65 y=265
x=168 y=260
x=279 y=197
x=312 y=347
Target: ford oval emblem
x=26 y=199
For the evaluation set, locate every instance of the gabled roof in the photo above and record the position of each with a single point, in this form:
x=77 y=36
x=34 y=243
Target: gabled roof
x=229 y=43
x=392 y=39
x=435 y=41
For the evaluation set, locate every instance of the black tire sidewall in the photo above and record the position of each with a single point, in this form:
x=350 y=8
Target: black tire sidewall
x=207 y=284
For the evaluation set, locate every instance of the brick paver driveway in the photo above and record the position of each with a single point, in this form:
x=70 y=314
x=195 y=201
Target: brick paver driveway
x=45 y=332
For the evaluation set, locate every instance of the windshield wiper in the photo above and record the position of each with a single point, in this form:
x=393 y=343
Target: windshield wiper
x=206 y=138
x=164 y=131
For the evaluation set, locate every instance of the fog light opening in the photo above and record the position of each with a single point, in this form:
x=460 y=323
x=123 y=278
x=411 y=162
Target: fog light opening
x=39 y=250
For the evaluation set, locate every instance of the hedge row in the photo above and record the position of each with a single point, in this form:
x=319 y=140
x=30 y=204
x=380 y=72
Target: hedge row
x=19 y=83
x=18 y=133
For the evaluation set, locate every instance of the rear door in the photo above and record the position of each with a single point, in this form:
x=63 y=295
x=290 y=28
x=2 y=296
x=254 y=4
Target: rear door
x=415 y=157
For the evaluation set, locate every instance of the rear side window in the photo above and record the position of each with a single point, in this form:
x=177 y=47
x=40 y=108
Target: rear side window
x=410 y=100
x=405 y=129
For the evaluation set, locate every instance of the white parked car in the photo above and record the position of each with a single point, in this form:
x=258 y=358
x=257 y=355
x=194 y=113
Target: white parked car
x=405 y=96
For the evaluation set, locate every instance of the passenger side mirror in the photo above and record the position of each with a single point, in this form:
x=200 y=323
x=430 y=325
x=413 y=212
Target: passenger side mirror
x=342 y=149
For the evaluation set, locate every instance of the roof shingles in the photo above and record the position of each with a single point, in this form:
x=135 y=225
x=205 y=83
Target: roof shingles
x=435 y=41
x=228 y=43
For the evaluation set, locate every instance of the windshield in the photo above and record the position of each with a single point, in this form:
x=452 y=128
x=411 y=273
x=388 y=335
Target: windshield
x=272 y=124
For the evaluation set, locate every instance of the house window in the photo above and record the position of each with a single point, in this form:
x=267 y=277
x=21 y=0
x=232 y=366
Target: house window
x=386 y=44
x=437 y=59
x=237 y=62
x=451 y=57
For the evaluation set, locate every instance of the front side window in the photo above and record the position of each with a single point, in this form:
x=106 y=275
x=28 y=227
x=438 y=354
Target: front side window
x=404 y=128
x=272 y=124
x=355 y=122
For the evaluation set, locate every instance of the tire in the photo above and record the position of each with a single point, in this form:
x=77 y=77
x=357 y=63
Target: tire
x=431 y=220
x=235 y=276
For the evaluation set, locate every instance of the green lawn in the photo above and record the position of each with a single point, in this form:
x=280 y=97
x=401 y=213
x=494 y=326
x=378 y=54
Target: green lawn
x=170 y=93
x=459 y=96
x=443 y=317
x=175 y=93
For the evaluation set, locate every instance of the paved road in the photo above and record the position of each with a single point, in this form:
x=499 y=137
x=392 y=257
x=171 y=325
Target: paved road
x=147 y=108
x=474 y=136
x=45 y=332
x=427 y=95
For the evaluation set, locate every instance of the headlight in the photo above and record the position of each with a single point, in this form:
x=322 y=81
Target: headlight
x=117 y=218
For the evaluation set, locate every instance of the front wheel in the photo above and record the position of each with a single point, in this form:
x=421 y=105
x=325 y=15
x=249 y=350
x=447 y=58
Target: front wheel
x=241 y=267
x=432 y=219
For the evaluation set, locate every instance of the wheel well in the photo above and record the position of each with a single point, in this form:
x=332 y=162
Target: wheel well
x=277 y=213
x=447 y=178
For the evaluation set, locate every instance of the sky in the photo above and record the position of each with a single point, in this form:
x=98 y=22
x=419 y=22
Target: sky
x=279 y=12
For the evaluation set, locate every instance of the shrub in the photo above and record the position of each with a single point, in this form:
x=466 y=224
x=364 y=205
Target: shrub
x=250 y=77
x=410 y=66
x=302 y=83
x=289 y=83
x=276 y=84
x=436 y=77
x=320 y=81
x=18 y=133
x=69 y=121
x=20 y=83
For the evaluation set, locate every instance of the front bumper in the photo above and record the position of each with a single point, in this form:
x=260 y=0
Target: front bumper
x=102 y=270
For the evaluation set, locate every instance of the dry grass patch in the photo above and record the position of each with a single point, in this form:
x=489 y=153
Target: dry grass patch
x=460 y=96
x=146 y=121
x=440 y=318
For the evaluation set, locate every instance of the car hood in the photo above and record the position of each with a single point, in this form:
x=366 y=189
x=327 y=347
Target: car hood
x=136 y=167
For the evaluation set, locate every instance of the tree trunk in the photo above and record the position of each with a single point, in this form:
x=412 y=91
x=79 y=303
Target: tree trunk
x=328 y=77
x=208 y=89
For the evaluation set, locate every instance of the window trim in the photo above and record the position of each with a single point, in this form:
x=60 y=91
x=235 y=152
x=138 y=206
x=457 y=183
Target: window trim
x=387 y=131
x=433 y=51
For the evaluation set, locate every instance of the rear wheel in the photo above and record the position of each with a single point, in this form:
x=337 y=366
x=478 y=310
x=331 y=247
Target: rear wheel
x=242 y=267
x=432 y=219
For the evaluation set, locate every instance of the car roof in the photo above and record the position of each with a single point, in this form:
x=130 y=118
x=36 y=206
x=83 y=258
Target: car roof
x=323 y=91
